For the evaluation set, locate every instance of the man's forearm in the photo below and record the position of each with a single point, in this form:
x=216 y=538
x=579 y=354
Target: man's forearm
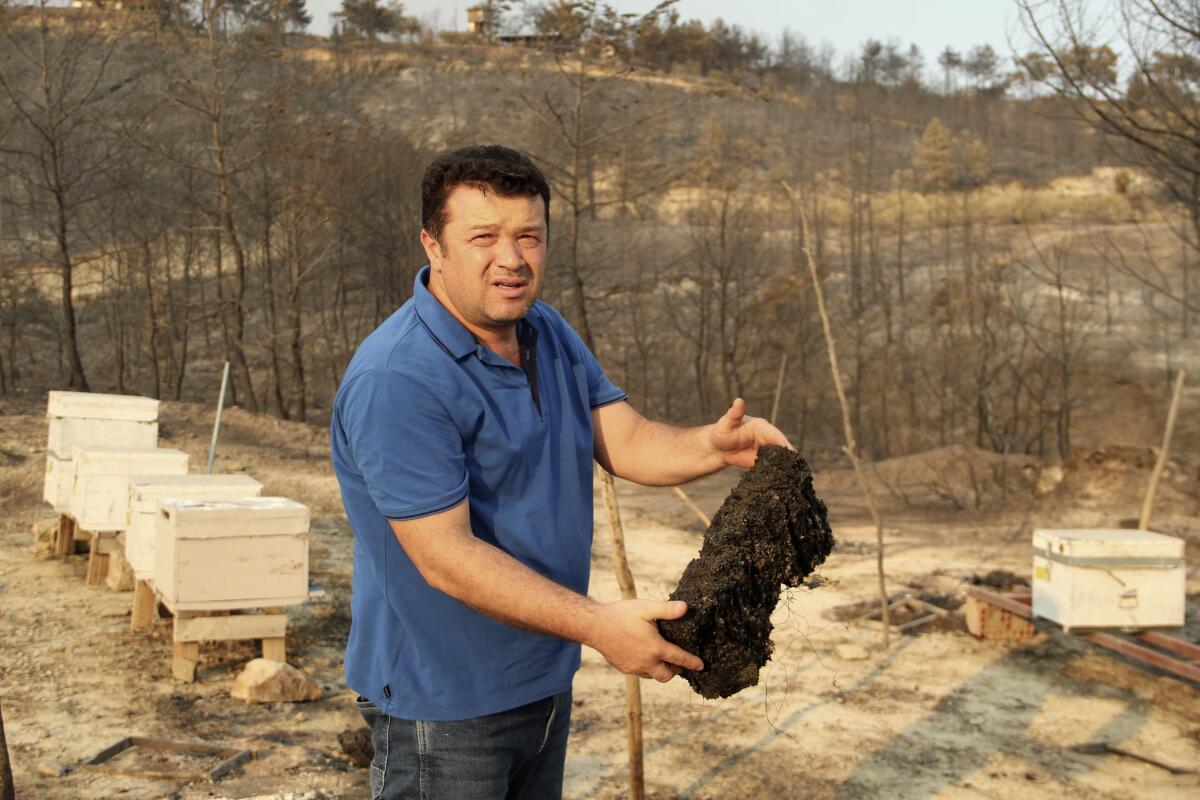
x=655 y=454
x=495 y=584
x=665 y=455
x=451 y=558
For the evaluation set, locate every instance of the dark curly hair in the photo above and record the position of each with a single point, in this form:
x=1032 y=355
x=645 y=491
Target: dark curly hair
x=491 y=168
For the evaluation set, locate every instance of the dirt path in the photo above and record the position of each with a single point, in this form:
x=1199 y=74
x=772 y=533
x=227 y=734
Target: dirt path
x=937 y=715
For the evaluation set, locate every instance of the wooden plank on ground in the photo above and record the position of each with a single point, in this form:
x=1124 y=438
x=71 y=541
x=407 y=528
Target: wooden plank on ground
x=1145 y=655
x=1016 y=604
x=1179 y=646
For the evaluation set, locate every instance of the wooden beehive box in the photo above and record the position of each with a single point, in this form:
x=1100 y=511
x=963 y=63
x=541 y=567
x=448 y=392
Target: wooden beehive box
x=146 y=490
x=79 y=420
x=230 y=554
x=56 y=489
x=84 y=419
x=100 y=488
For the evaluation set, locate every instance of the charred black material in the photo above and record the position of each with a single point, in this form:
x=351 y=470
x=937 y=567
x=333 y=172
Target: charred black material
x=771 y=531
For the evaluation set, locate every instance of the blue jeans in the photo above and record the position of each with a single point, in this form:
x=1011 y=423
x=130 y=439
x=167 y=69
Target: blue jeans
x=514 y=755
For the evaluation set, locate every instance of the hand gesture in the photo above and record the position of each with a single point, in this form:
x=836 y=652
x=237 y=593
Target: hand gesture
x=736 y=436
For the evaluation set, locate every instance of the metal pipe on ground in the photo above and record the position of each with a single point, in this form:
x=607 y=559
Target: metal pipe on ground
x=212 y=448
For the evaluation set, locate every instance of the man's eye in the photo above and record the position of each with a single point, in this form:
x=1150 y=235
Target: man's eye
x=529 y=238
x=483 y=237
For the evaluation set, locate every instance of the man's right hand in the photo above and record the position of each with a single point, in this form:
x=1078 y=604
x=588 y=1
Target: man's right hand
x=625 y=634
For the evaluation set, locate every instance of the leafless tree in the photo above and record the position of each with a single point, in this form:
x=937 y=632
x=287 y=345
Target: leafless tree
x=59 y=87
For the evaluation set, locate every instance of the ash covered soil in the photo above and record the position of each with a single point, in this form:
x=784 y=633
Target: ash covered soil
x=772 y=531
x=833 y=714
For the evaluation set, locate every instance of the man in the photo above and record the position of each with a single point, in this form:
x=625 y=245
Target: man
x=463 y=437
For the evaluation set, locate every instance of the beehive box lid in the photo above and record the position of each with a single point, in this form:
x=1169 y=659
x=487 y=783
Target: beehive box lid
x=1116 y=545
x=92 y=405
x=150 y=487
x=129 y=461
x=263 y=516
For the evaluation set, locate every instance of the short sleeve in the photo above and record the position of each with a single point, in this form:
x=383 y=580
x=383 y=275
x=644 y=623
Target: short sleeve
x=601 y=391
x=405 y=443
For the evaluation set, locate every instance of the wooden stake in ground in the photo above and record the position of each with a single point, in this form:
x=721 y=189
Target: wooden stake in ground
x=778 y=390
x=1148 y=503
x=633 y=689
x=704 y=518
x=851 y=447
x=7 y=791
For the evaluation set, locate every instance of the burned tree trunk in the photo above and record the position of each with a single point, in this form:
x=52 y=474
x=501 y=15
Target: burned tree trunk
x=770 y=531
x=7 y=792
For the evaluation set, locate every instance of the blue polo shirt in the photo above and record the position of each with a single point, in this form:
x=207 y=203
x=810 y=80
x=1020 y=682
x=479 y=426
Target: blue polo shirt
x=426 y=416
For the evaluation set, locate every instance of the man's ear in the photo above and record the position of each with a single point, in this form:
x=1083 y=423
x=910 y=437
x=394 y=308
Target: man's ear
x=433 y=250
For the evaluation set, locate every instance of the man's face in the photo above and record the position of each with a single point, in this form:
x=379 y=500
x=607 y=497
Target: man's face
x=487 y=268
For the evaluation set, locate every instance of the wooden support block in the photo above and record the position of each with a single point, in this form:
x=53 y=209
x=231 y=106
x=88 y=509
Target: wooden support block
x=65 y=543
x=274 y=649
x=988 y=621
x=142 y=615
x=230 y=627
x=97 y=569
x=184 y=658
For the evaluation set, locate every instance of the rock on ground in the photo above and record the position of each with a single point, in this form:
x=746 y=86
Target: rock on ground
x=120 y=572
x=851 y=652
x=45 y=536
x=771 y=530
x=266 y=681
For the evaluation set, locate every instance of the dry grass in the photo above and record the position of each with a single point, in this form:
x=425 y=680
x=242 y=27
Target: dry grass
x=20 y=481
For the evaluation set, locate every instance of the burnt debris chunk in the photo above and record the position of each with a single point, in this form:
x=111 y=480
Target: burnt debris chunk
x=771 y=531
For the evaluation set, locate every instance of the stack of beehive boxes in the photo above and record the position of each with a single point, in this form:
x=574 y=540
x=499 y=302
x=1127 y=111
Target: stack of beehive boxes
x=80 y=420
x=203 y=544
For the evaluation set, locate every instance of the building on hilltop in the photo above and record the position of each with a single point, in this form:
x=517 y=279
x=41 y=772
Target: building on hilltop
x=482 y=20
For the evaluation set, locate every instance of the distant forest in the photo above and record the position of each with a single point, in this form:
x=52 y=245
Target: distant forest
x=188 y=183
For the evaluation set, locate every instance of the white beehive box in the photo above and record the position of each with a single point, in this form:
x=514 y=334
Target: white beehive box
x=145 y=491
x=1108 y=578
x=85 y=419
x=229 y=554
x=100 y=488
x=56 y=490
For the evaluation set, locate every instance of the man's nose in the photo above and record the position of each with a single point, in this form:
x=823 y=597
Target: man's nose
x=508 y=253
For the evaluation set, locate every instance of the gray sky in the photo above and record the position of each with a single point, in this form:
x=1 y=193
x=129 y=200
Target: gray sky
x=931 y=24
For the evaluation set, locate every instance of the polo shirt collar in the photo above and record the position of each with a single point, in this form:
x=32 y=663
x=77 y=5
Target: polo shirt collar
x=451 y=333
x=441 y=323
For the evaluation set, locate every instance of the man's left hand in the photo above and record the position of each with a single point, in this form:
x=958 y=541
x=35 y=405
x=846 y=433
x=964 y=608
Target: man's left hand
x=736 y=436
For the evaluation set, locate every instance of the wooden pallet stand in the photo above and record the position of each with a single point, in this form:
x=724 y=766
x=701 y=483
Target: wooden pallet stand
x=193 y=627
x=99 y=547
x=64 y=542
x=145 y=600
x=1157 y=649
